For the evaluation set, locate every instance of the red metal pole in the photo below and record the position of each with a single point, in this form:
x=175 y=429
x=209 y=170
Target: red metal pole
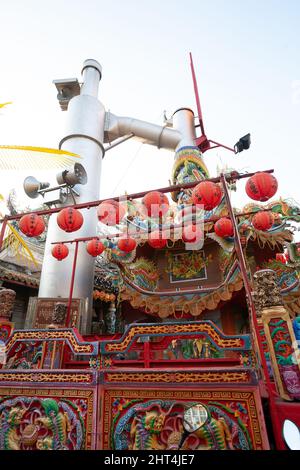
x=2 y=233
x=252 y=311
x=72 y=284
x=197 y=96
x=168 y=189
x=217 y=144
x=171 y=227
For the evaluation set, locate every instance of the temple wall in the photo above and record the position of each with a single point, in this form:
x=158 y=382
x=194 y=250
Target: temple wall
x=59 y=391
x=33 y=406
x=91 y=415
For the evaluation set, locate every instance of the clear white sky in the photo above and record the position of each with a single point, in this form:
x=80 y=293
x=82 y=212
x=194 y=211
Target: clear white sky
x=246 y=56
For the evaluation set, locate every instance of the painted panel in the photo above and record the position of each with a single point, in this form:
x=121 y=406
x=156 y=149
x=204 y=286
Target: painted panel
x=46 y=418
x=153 y=419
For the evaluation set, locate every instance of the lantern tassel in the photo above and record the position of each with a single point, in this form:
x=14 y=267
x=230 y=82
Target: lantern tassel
x=22 y=242
x=16 y=157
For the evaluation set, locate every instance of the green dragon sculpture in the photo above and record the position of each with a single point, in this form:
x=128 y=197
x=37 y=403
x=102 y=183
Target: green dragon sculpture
x=42 y=424
x=56 y=421
x=143 y=272
x=159 y=425
x=12 y=440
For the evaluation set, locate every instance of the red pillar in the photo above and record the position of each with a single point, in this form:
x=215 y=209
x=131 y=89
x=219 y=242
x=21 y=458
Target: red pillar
x=72 y=285
x=252 y=311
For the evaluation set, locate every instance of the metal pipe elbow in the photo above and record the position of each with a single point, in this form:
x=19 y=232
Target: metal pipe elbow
x=152 y=134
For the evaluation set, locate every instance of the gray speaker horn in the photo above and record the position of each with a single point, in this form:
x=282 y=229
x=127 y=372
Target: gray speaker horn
x=32 y=186
x=71 y=177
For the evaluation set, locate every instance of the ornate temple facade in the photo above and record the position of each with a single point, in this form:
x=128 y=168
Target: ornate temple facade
x=174 y=335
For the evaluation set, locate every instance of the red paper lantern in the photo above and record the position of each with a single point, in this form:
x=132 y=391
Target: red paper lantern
x=95 y=247
x=157 y=239
x=110 y=212
x=208 y=194
x=281 y=258
x=263 y=220
x=261 y=186
x=32 y=225
x=156 y=203
x=69 y=219
x=60 y=251
x=126 y=244
x=223 y=227
x=192 y=233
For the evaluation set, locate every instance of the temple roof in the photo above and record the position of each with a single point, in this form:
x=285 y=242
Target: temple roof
x=17 y=277
x=136 y=279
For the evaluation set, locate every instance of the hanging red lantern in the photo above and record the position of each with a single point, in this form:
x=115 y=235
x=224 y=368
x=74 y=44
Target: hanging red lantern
x=261 y=186
x=208 y=194
x=32 y=225
x=192 y=233
x=110 y=212
x=223 y=227
x=69 y=219
x=60 y=251
x=281 y=258
x=126 y=244
x=95 y=247
x=157 y=239
x=156 y=203
x=263 y=220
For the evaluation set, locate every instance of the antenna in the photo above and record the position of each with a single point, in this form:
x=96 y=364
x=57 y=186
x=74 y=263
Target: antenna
x=197 y=95
x=203 y=143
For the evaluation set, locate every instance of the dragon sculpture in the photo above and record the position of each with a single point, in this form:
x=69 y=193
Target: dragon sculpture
x=158 y=425
x=215 y=434
x=145 y=430
x=56 y=421
x=188 y=167
x=11 y=438
x=42 y=424
x=143 y=273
